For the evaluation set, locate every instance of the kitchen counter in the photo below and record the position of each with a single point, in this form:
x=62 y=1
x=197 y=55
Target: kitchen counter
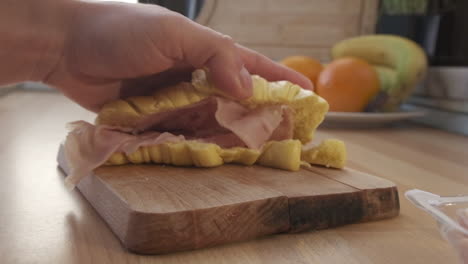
x=42 y=222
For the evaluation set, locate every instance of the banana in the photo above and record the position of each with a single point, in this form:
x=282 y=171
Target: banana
x=398 y=61
x=388 y=79
x=389 y=84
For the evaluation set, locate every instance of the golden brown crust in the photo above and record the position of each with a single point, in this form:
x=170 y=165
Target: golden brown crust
x=309 y=108
x=309 y=111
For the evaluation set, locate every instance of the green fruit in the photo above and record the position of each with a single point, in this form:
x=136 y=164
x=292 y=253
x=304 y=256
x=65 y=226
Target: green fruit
x=389 y=84
x=388 y=79
x=403 y=56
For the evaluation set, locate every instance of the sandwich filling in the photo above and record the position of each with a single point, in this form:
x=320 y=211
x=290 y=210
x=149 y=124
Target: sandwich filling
x=215 y=120
x=195 y=124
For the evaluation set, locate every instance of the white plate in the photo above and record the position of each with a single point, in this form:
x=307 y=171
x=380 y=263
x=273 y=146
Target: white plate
x=361 y=119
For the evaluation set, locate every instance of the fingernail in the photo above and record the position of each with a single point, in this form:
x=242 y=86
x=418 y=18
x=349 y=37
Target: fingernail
x=246 y=83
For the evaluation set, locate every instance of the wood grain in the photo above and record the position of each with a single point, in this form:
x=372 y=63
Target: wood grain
x=41 y=222
x=161 y=209
x=279 y=28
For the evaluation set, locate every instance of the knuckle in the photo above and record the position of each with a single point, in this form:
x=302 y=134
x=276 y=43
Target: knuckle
x=169 y=21
x=172 y=20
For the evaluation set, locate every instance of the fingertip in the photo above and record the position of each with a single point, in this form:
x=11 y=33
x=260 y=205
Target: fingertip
x=307 y=84
x=259 y=64
x=237 y=85
x=230 y=76
x=297 y=78
x=246 y=83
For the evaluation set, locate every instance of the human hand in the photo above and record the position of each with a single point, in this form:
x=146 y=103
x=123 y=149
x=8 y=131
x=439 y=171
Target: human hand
x=115 y=50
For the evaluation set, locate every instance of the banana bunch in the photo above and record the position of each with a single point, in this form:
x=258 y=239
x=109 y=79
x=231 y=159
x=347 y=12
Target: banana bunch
x=399 y=62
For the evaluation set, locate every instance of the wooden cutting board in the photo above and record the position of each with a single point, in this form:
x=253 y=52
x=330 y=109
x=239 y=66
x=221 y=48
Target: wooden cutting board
x=160 y=209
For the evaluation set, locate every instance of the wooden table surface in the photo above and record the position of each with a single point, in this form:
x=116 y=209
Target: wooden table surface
x=42 y=222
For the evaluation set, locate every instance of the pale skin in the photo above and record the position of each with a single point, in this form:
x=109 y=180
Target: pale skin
x=96 y=52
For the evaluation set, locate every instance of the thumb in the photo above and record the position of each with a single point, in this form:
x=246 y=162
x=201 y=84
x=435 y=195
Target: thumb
x=230 y=76
x=204 y=47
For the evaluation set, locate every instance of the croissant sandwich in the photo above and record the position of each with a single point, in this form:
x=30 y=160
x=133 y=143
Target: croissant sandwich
x=195 y=124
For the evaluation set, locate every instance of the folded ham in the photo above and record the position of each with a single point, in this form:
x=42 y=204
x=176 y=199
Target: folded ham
x=212 y=120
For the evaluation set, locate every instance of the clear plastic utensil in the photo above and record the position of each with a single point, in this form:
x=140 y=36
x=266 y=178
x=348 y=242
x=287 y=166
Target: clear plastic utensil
x=452 y=215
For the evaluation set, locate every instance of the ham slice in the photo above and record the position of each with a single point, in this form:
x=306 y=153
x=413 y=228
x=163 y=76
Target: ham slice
x=88 y=147
x=213 y=120
x=214 y=117
x=253 y=127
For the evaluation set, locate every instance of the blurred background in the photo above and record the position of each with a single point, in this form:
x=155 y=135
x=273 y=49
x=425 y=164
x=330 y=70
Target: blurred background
x=279 y=29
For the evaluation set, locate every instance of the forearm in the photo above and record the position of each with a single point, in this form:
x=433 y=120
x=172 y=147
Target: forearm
x=32 y=33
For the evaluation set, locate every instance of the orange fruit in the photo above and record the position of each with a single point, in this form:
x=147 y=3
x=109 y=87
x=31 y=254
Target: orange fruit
x=348 y=84
x=308 y=66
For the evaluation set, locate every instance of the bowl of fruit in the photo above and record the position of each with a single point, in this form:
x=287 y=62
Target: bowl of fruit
x=367 y=80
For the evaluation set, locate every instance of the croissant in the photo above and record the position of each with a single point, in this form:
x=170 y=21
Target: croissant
x=196 y=124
